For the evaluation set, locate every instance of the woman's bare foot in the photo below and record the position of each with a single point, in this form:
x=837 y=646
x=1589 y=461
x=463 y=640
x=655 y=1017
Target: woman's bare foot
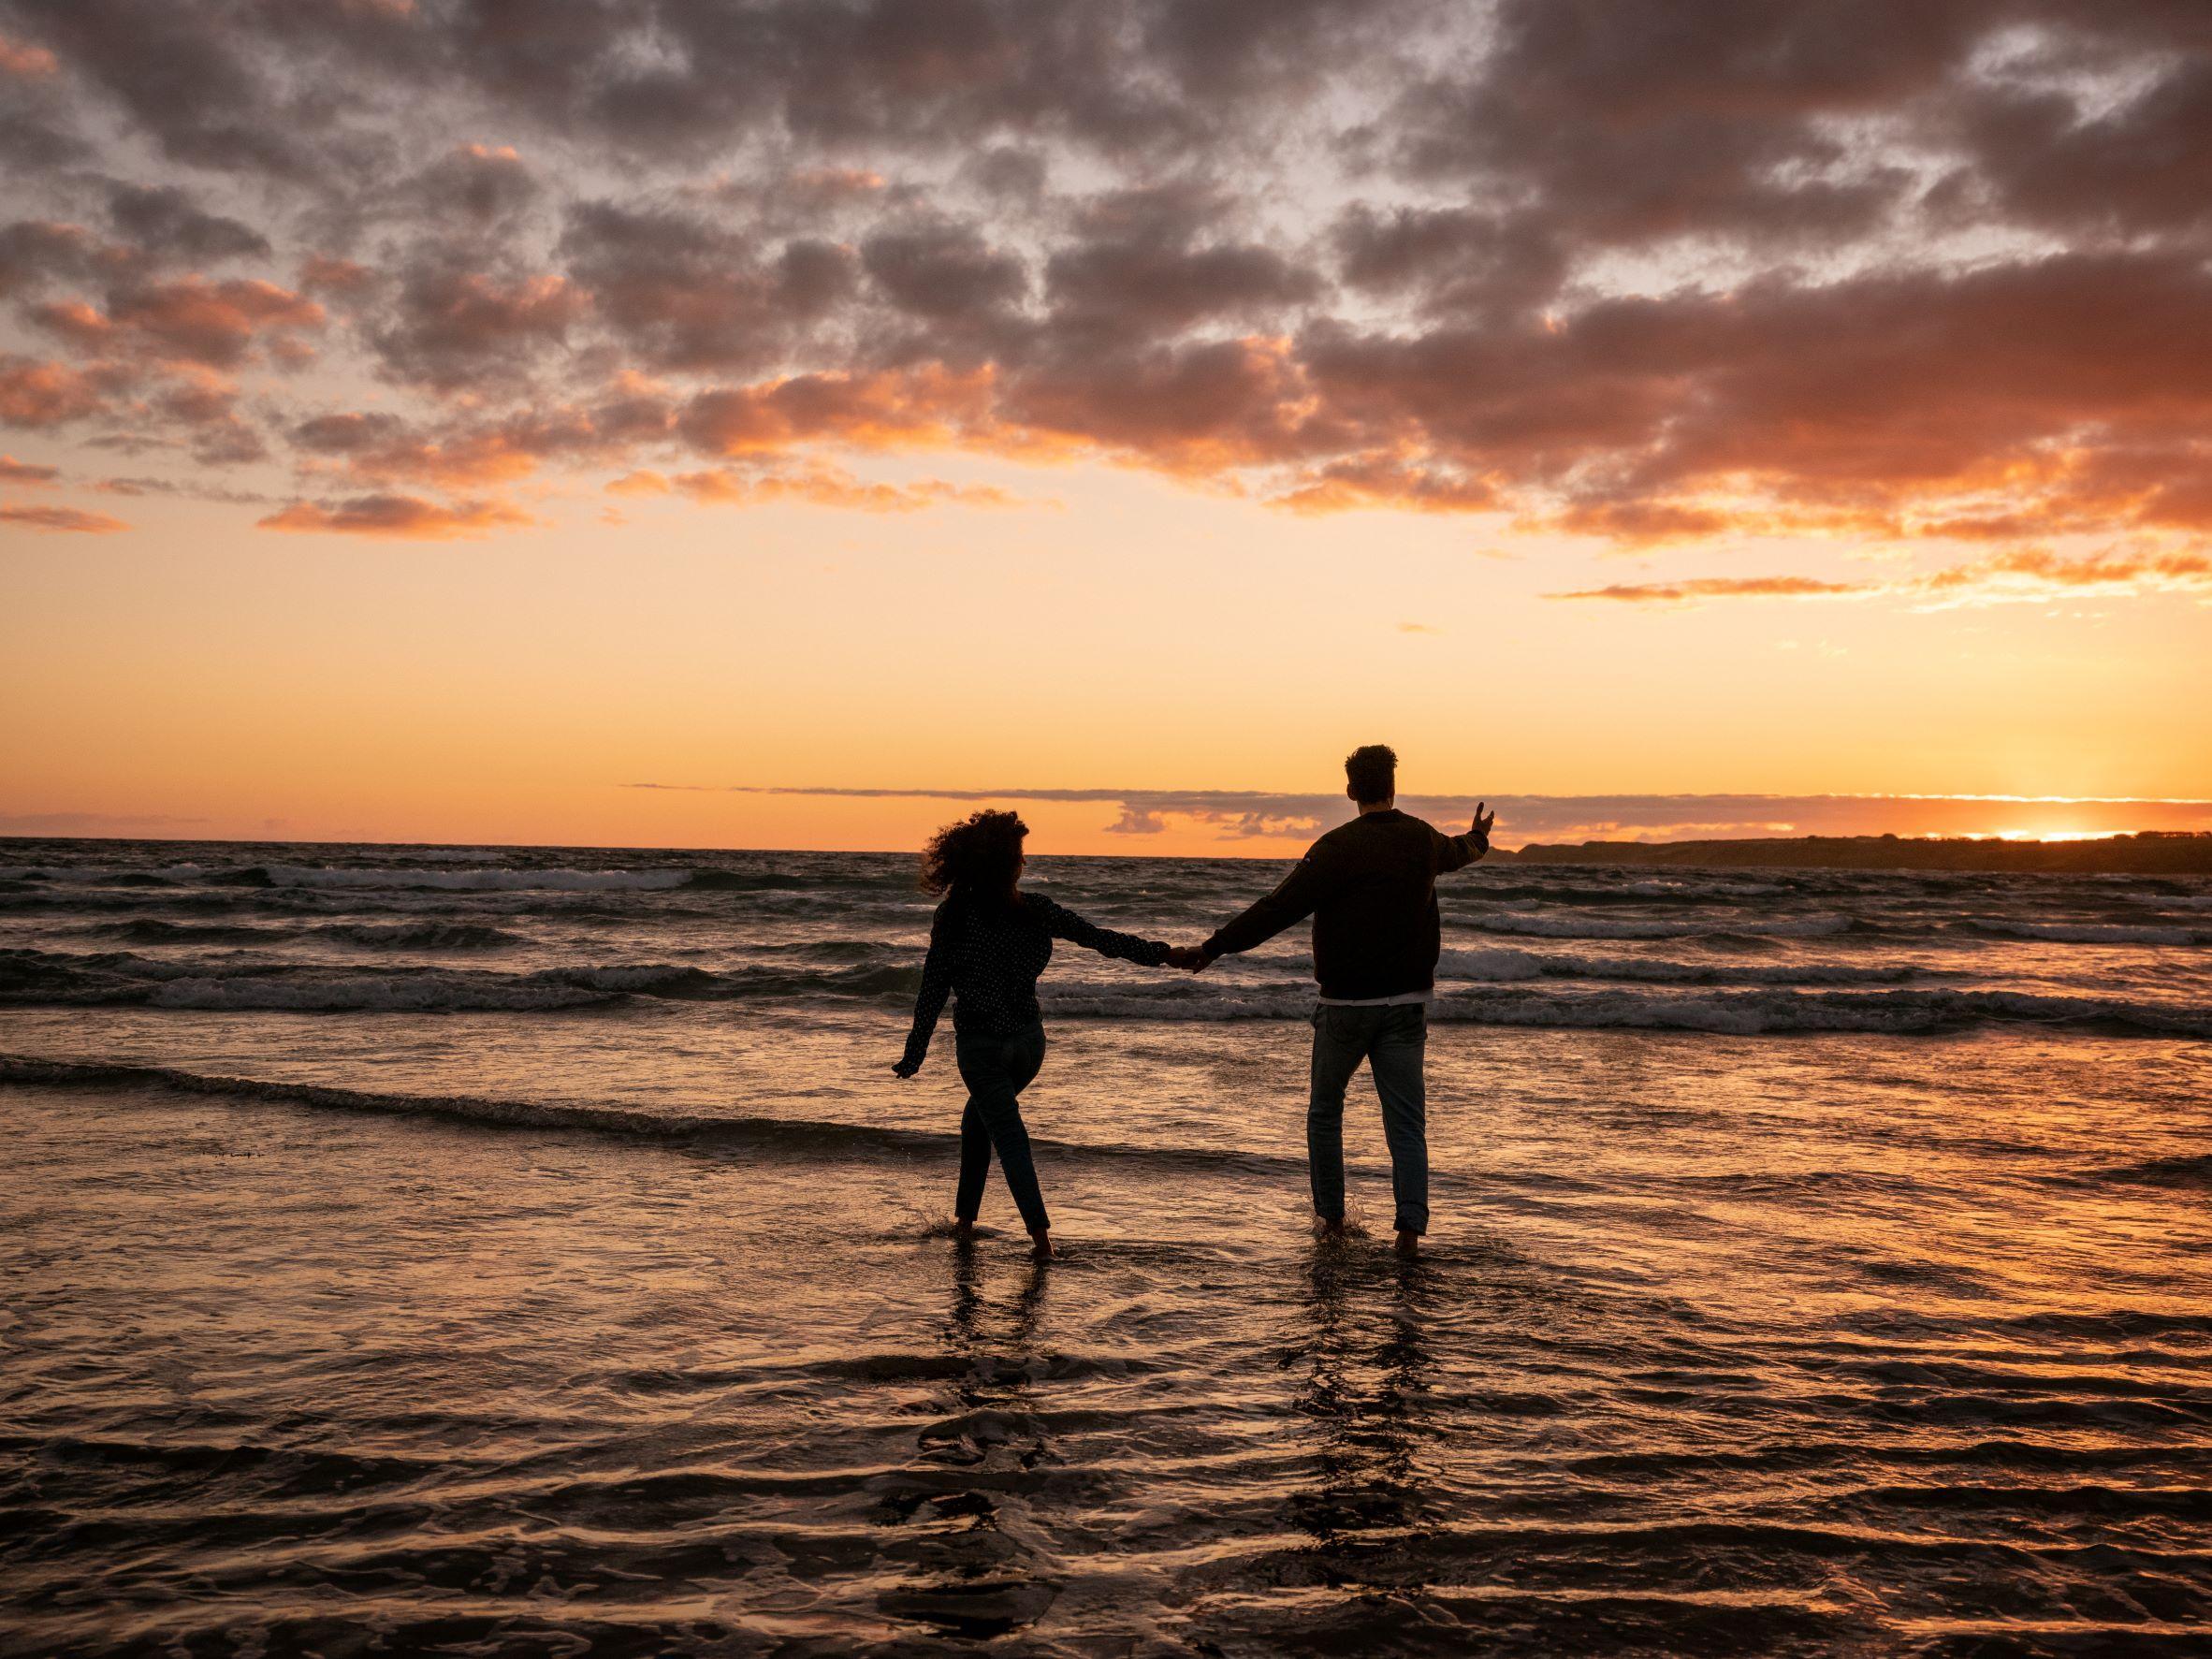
x=963 y=1228
x=1041 y=1246
x=1409 y=1245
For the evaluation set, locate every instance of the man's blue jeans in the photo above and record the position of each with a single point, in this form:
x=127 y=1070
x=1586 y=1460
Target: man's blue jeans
x=1392 y=1041
x=997 y=1070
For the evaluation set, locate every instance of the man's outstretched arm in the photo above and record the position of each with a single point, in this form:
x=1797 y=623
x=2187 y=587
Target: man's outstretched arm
x=1292 y=901
x=1454 y=853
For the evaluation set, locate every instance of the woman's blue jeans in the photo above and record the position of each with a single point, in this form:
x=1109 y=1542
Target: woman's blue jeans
x=1394 y=1041
x=997 y=1070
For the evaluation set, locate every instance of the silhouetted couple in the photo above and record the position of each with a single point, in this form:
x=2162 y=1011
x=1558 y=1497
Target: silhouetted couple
x=1370 y=886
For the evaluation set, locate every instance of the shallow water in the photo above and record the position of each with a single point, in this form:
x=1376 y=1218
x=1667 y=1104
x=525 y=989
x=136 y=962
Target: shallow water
x=1759 y=1317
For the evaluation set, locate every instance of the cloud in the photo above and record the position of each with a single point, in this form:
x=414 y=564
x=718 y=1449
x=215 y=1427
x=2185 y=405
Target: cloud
x=454 y=328
x=169 y=225
x=27 y=63
x=944 y=273
x=1646 y=522
x=25 y=473
x=683 y=292
x=817 y=484
x=2029 y=573
x=36 y=252
x=397 y=517
x=191 y=320
x=925 y=408
x=1235 y=816
x=1143 y=263
x=480 y=182
x=198 y=489
x=46 y=394
x=63 y=520
x=457 y=451
x=1718 y=588
x=1649 y=274
x=206 y=92
x=1348 y=486
x=328 y=275
x=1452 y=261
x=1632 y=124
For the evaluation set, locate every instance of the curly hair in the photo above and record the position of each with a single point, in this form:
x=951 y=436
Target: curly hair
x=976 y=857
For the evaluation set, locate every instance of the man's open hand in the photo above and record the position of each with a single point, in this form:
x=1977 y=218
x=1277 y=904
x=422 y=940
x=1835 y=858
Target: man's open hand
x=1482 y=820
x=906 y=1068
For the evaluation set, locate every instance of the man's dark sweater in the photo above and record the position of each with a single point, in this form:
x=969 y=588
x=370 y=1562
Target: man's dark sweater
x=1370 y=886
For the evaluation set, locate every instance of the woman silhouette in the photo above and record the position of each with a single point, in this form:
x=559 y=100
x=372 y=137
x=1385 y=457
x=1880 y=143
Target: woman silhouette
x=988 y=943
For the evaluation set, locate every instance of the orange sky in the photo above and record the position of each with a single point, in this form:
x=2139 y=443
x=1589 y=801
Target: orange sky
x=1137 y=635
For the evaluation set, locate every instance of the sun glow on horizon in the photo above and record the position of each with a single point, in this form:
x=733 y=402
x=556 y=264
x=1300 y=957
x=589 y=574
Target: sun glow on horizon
x=2052 y=834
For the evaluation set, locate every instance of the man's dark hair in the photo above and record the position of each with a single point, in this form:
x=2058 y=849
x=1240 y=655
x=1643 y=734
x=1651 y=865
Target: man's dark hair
x=1373 y=773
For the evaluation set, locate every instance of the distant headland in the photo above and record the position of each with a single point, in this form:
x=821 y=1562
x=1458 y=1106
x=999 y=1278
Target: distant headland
x=2154 y=853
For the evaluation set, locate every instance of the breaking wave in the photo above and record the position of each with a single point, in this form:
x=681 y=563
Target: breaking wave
x=1727 y=998
x=2094 y=933
x=1539 y=927
x=1723 y=1012
x=440 y=880
x=120 y=978
x=752 y=1134
x=422 y=935
x=1504 y=964
x=389 y=936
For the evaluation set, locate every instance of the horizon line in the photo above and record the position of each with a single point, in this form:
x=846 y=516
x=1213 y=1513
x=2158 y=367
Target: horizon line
x=1087 y=793
x=2061 y=840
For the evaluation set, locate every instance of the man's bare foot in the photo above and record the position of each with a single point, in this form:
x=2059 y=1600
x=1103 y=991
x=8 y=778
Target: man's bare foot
x=963 y=1228
x=1325 y=1228
x=1041 y=1246
x=1409 y=1245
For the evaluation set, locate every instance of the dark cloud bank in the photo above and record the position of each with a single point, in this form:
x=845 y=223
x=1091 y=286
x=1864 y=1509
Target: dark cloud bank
x=1901 y=269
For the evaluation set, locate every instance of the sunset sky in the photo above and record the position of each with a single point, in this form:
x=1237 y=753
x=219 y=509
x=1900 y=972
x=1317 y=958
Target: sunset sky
x=781 y=425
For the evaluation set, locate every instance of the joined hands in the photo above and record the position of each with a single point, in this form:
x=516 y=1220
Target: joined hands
x=1189 y=958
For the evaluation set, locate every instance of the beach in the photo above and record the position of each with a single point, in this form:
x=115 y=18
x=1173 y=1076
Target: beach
x=475 y=1250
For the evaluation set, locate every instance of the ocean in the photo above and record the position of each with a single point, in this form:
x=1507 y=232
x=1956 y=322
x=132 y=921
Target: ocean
x=495 y=1250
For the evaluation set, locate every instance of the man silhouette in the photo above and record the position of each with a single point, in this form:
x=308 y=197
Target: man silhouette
x=1370 y=886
